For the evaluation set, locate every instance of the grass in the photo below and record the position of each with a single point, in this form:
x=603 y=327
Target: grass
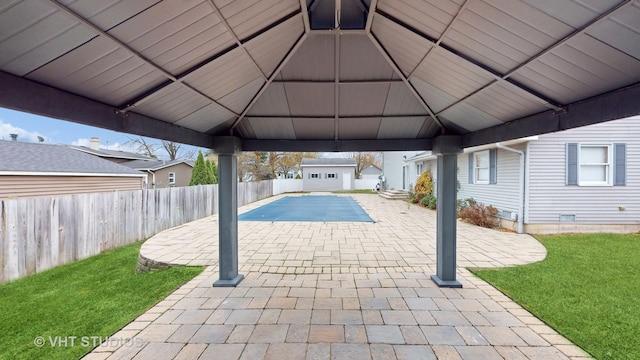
x=360 y=191
x=588 y=289
x=92 y=297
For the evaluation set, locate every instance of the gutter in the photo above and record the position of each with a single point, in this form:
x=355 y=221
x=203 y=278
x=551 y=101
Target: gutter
x=521 y=185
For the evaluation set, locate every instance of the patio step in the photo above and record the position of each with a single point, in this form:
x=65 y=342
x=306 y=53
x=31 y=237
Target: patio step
x=394 y=194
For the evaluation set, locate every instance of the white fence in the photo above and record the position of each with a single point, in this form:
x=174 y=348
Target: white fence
x=286 y=186
x=363 y=184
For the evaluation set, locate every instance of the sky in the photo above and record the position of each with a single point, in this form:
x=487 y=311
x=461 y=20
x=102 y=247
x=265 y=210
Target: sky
x=53 y=131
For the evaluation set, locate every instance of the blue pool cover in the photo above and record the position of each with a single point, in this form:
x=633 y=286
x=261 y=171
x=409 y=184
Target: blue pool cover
x=309 y=208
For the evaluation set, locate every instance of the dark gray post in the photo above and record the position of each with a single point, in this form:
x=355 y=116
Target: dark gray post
x=227 y=148
x=447 y=149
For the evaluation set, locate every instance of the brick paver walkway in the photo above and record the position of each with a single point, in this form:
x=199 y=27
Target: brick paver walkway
x=339 y=291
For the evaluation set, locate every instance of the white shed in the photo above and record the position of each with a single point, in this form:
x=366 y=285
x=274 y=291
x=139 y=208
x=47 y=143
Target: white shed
x=328 y=174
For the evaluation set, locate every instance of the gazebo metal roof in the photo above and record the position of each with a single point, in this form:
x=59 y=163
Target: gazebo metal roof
x=323 y=75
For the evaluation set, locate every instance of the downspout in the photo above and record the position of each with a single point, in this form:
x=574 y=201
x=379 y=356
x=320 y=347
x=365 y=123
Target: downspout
x=521 y=186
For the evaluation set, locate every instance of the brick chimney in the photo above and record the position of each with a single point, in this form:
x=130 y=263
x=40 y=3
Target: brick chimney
x=94 y=143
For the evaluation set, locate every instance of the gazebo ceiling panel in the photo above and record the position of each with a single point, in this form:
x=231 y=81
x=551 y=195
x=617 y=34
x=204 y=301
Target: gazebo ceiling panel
x=205 y=119
x=32 y=33
x=400 y=101
x=224 y=75
x=311 y=99
x=405 y=47
x=101 y=70
x=469 y=118
x=273 y=102
x=353 y=49
x=272 y=128
x=239 y=99
x=504 y=101
x=430 y=17
x=172 y=102
x=580 y=68
x=321 y=129
x=314 y=60
x=269 y=50
x=502 y=34
x=621 y=30
x=106 y=14
x=400 y=127
x=436 y=98
x=452 y=74
x=176 y=35
x=248 y=17
x=362 y=99
x=358 y=128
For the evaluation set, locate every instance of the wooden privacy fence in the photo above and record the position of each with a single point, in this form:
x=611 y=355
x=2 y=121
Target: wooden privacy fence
x=37 y=234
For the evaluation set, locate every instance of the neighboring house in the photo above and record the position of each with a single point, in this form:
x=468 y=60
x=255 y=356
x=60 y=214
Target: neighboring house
x=398 y=174
x=164 y=173
x=580 y=180
x=328 y=174
x=371 y=172
x=30 y=169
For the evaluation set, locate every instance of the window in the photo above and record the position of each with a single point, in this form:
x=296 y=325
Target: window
x=332 y=176
x=483 y=167
x=172 y=178
x=289 y=176
x=419 y=169
x=596 y=164
x=314 y=176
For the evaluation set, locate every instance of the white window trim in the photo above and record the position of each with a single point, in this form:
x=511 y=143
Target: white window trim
x=609 y=165
x=172 y=175
x=475 y=168
x=315 y=175
x=332 y=176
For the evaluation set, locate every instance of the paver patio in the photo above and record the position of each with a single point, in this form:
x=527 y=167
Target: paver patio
x=340 y=291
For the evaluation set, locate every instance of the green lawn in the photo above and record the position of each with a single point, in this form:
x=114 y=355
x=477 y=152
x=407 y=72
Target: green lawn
x=588 y=289
x=92 y=297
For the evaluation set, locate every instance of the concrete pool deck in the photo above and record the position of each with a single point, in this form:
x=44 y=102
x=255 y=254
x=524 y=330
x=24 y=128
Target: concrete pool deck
x=340 y=290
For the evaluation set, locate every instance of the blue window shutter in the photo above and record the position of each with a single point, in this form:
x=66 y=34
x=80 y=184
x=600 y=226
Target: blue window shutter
x=619 y=164
x=336 y=175
x=572 y=164
x=470 y=168
x=493 y=166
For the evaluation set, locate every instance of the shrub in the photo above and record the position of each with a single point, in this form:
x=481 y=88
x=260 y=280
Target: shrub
x=429 y=201
x=424 y=184
x=478 y=214
x=462 y=204
x=419 y=196
x=298 y=177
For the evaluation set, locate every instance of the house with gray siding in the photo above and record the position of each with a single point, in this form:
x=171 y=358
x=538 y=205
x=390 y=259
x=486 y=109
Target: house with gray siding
x=579 y=180
x=328 y=174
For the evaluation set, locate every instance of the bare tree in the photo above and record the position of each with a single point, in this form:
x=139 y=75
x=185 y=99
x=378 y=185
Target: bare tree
x=147 y=148
x=143 y=146
x=173 y=150
x=365 y=159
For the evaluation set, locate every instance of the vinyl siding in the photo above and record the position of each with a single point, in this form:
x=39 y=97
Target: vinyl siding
x=392 y=165
x=183 y=175
x=502 y=195
x=15 y=186
x=323 y=184
x=549 y=197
